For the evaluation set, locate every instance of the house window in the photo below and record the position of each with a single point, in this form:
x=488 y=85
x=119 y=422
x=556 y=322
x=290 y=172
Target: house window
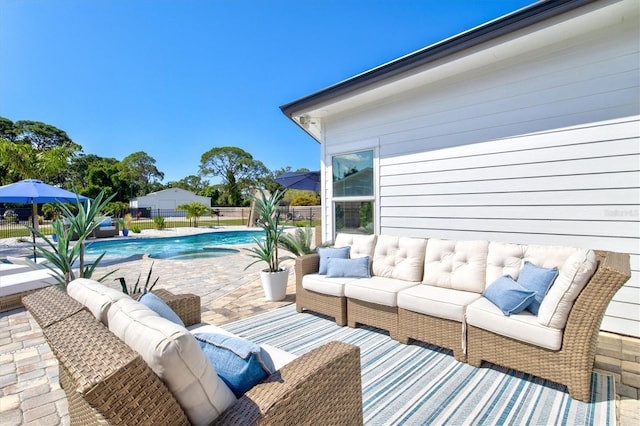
x=353 y=193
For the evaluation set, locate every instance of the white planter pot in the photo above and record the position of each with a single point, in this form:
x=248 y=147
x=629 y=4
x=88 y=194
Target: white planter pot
x=275 y=284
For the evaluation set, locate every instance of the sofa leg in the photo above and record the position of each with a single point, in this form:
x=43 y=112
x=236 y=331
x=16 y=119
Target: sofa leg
x=402 y=339
x=299 y=308
x=473 y=361
x=341 y=322
x=460 y=356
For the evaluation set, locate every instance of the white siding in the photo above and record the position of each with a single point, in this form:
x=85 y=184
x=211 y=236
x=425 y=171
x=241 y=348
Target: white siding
x=543 y=148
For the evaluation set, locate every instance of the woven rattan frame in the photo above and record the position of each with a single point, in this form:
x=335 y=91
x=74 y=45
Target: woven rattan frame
x=111 y=378
x=436 y=331
x=332 y=306
x=187 y=306
x=322 y=387
x=573 y=363
x=379 y=316
x=51 y=305
x=13 y=301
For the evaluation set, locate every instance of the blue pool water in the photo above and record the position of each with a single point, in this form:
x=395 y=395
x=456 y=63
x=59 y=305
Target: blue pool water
x=184 y=247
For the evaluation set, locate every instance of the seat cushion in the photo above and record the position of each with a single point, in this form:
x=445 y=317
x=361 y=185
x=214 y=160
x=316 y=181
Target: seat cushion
x=25 y=281
x=275 y=358
x=96 y=297
x=523 y=326
x=401 y=258
x=325 y=285
x=379 y=290
x=175 y=356
x=361 y=245
x=459 y=265
x=435 y=301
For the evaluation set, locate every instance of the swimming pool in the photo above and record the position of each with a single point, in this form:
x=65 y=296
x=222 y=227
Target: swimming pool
x=183 y=247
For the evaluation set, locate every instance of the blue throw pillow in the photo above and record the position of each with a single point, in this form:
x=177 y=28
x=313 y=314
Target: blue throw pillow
x=238 y=362
x=327 y=252
x=157 y=305
x=536 y=279
x=508 y=295
x=348 y=268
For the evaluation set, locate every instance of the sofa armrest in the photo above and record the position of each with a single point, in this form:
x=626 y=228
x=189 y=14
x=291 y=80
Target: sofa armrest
x=186 y=306
x=322 y=386
x=307 y=264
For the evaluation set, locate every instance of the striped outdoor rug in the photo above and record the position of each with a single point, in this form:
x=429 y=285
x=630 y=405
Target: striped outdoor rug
x=420 y=384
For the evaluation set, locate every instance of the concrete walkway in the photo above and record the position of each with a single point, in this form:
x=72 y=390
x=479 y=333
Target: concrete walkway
x=29 y=389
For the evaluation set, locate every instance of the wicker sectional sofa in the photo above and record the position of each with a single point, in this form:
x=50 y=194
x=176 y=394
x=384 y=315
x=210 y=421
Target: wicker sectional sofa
x=431 y=290
x=121 y=363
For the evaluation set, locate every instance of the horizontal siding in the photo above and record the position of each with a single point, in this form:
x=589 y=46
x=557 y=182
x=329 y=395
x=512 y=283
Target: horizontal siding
x=537 y=195
x=542 y=148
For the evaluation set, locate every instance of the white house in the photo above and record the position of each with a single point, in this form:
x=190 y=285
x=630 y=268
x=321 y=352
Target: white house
x=167 y=199
x=525 y=129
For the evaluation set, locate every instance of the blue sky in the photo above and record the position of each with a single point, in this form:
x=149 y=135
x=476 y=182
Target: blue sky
x=175 y=78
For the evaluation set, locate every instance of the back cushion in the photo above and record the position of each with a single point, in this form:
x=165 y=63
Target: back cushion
x=361 y=245
x=573 y=275
x=459 y=265
x=399 y=257
x=96 y=297
x=504 y=259
x=175 y=356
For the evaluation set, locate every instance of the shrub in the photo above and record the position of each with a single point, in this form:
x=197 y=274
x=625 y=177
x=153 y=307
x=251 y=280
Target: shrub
x=158 y=222
x=135 y=229
x=306 y=200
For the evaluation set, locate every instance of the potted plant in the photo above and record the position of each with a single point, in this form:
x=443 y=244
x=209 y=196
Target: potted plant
x=274 y=277
x=125 y=224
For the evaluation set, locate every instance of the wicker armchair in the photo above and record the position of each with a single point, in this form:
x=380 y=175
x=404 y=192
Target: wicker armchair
x=106 y=382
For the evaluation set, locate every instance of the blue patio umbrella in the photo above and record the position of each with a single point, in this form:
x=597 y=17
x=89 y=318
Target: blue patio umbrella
x=307 y=181
x=34 y=192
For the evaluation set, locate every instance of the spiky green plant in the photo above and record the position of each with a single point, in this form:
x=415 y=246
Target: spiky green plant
x=61 y=254
x=298 y=243
x=131 y=290
x=269 y=219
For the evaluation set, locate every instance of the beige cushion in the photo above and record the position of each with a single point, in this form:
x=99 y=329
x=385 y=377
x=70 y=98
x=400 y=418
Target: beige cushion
x=399 y=257
x=458 y=265
x=96 y=297
x=436 y=301
x=276 y=358
x=573 y=275
x=523 y=326
x=380 y=290
x=175 y=356
x=361 y=245
x=324 y=285
x=504 y=259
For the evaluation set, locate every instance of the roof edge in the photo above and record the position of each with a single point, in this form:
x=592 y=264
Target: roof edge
x=498 y=27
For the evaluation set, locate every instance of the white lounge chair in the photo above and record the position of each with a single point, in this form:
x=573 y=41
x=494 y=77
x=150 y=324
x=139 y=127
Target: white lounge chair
x=14 y=286
x=12 y=268
x=25 y=261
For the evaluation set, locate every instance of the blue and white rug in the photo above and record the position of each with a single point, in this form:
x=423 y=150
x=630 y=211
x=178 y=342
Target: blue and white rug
x=419 y=384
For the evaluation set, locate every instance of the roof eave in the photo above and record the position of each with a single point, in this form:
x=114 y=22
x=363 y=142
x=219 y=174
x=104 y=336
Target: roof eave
x=506 y=24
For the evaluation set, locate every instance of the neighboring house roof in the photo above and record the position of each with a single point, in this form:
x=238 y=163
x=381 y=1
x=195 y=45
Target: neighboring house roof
x=514 y=21
x=170 y=191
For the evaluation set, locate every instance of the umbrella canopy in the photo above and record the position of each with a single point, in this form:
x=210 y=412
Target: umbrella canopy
x=34 y=192
x=307 y=181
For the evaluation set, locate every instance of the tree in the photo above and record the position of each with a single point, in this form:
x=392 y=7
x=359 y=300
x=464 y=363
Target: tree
x=237 y=168
x=191 y=183
x=43 y=136
x=139 y=169
x=194 y=210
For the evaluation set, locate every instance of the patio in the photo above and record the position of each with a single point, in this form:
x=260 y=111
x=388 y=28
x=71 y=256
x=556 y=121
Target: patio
x=28 y=370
